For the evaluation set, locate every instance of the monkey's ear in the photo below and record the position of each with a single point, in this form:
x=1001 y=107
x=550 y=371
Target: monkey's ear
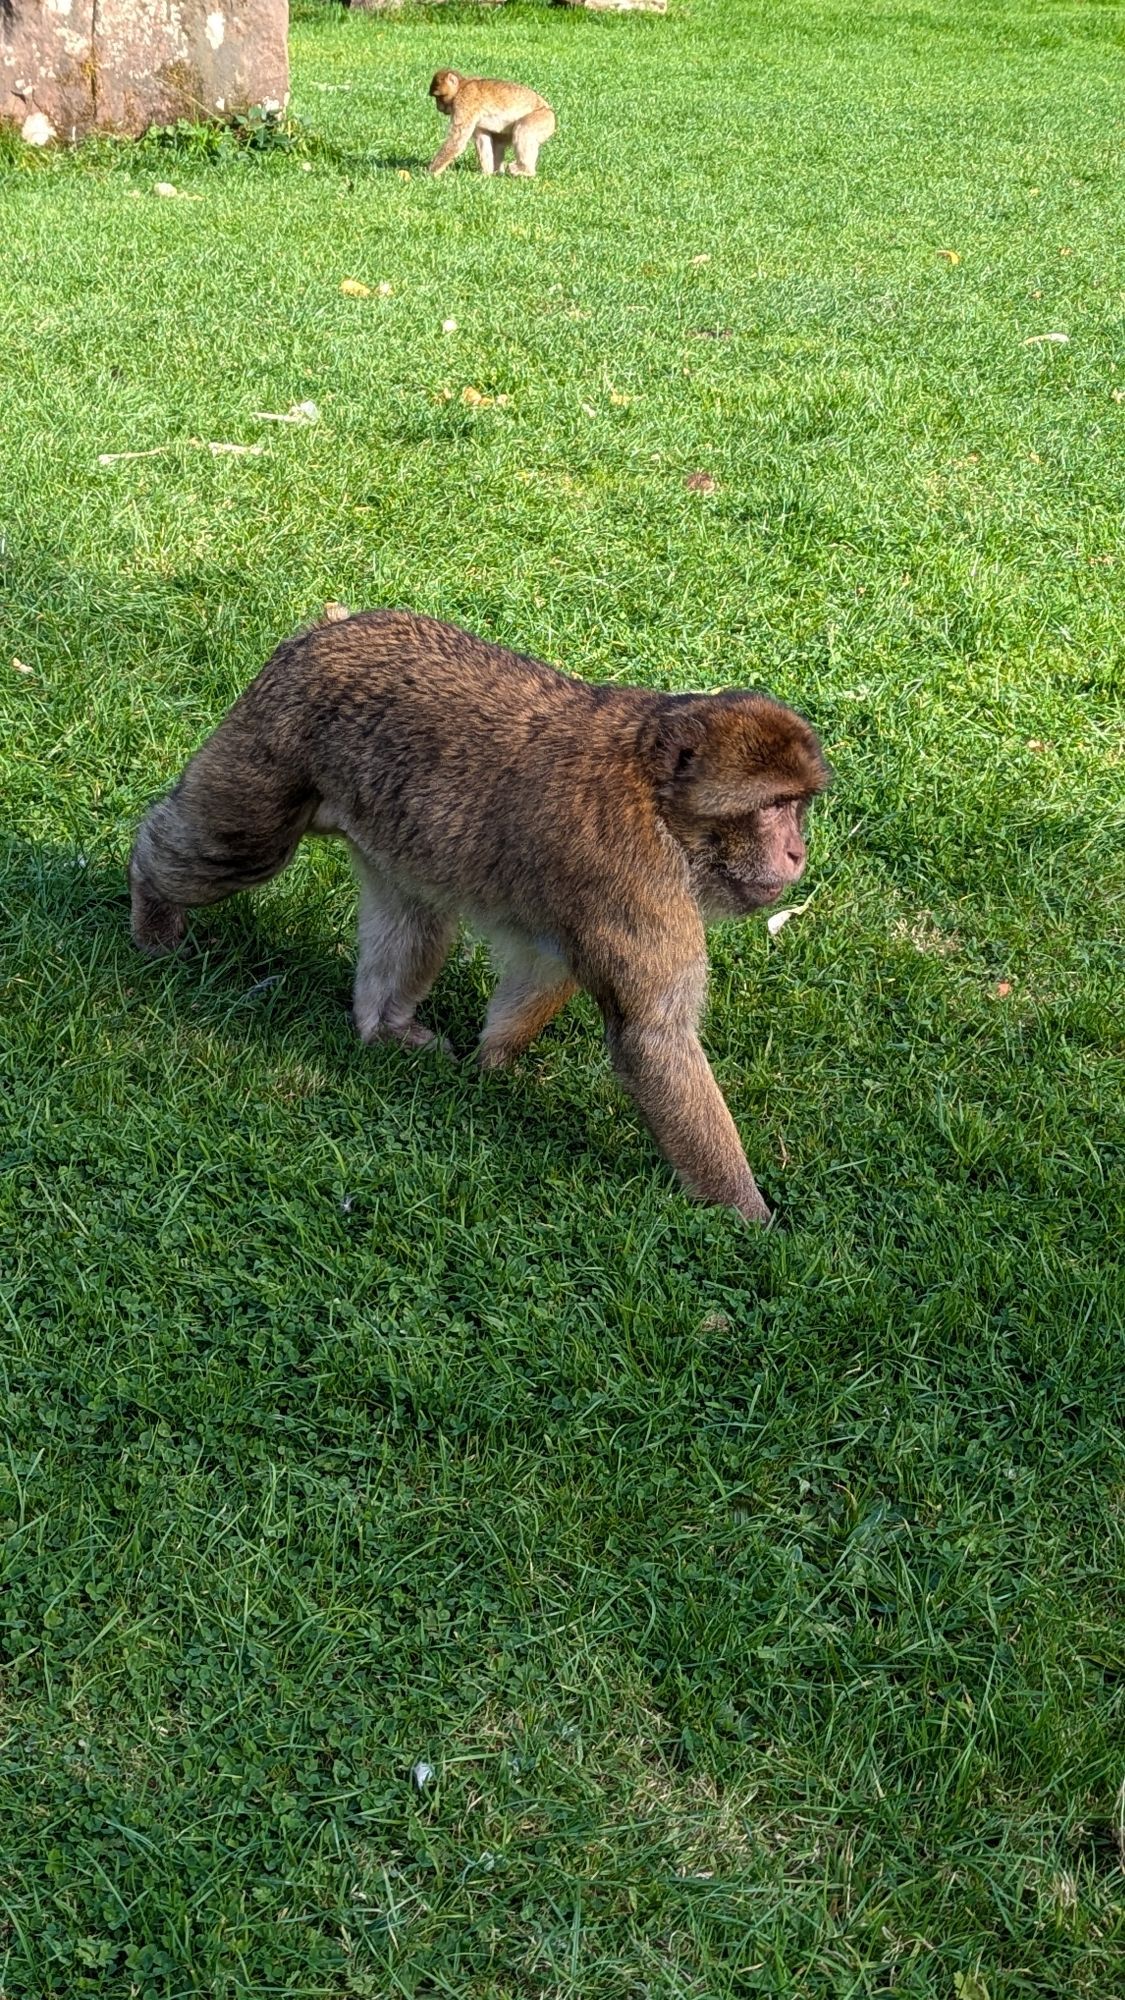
x=672 y=748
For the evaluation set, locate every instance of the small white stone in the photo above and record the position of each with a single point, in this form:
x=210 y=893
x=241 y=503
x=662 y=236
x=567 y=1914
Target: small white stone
x=422 y=1773
x=215 y=29
x=37 y=129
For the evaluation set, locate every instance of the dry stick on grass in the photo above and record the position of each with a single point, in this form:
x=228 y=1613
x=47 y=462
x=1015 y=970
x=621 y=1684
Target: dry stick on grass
x=217 y=450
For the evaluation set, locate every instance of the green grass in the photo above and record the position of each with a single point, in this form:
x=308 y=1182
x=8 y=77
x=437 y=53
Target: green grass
x=757 y=1600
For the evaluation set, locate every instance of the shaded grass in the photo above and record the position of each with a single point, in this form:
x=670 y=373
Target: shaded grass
x=757 y=1602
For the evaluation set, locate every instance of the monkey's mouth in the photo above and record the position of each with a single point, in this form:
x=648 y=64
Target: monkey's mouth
x=724 y=893
x=748 y=893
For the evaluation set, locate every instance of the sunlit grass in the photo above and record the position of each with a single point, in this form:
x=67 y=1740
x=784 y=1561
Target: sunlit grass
x=755 y=1600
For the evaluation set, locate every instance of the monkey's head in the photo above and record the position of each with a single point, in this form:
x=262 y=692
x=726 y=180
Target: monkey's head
x=734 y=775
x=444 y=87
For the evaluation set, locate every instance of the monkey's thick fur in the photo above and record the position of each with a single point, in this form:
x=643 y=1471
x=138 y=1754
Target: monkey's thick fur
x=494 y=115
x=589 y=832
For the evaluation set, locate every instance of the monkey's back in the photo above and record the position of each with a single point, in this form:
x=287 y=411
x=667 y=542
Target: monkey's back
x=458 y=763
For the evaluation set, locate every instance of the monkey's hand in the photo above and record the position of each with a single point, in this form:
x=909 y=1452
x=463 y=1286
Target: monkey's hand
x=456 y=141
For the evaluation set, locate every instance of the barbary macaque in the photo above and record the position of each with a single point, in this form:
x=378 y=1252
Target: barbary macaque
x=588 y=832
x=494 y=115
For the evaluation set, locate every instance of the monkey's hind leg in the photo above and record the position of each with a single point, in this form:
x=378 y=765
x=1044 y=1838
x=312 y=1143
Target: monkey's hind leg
x=220 y=829
x=157 y=925
x=532 y=989
x=402 y=947
x=527 y=136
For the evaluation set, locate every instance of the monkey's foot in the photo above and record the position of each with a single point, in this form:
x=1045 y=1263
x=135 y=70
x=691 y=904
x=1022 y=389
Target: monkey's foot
x=499 y=1055
x=415 y=1036
x=408 y=1035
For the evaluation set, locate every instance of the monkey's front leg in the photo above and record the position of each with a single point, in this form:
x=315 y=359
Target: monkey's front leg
x=457 y=138
x=662 y=1065
x=490 y=151
x=534 y=987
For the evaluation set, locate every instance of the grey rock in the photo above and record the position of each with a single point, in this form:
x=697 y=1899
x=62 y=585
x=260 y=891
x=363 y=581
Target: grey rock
x=68 y=67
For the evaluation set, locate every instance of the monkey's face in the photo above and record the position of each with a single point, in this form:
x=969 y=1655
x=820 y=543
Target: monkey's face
x=744 y=863
x=734 y=777
x=444 y=87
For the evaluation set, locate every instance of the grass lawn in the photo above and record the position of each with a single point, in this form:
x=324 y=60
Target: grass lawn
x=755 y=1599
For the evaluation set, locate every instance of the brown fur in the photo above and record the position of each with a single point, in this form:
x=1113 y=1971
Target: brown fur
x=588 y=831
x=494 y=115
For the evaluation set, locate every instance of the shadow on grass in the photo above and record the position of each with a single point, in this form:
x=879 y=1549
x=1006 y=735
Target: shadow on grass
x=262 y=977
x=385 y=163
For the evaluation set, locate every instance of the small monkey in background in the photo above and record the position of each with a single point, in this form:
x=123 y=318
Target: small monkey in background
x=589 y=832
x=494 y=116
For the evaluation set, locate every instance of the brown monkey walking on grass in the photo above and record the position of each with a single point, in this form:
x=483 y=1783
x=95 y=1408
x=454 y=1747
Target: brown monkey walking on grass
x=494 y=115
x=589 y=832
